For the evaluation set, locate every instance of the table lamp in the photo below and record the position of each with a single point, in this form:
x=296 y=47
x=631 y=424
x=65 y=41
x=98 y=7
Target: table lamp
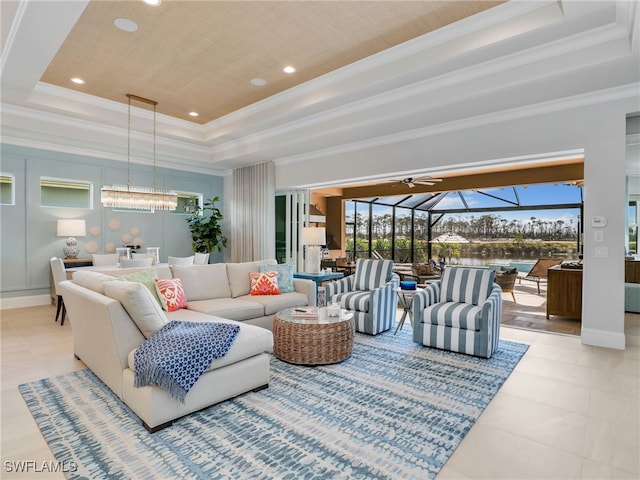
x=313 y=238
x=71 y=227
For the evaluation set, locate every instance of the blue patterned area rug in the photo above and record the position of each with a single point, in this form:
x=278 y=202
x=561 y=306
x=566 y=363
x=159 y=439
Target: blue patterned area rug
x=393 y=410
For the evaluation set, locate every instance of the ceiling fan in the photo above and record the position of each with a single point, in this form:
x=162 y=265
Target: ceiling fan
x=411 y=182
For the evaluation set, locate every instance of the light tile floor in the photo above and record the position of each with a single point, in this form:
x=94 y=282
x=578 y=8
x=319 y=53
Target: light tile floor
x=567 y=411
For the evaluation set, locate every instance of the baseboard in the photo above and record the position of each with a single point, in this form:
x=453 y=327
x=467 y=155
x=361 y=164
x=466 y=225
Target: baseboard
x=21 y=302
x=602 y=338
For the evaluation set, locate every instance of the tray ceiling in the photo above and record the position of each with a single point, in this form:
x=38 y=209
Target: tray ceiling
x=201 y=56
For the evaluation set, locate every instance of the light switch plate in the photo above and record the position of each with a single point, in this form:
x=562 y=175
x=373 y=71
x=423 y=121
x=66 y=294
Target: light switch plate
x=598 y=236
x=601 y=252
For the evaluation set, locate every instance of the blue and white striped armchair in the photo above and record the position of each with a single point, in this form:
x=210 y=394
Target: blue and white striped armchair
x=369 y=294
x=461 y=312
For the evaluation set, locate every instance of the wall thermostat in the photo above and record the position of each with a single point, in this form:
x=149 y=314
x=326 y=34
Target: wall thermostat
x=598 y=222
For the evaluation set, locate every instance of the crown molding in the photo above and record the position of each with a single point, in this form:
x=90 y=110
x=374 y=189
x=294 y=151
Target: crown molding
x=577 y=101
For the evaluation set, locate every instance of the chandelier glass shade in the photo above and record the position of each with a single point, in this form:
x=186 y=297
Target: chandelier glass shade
x=139 y=198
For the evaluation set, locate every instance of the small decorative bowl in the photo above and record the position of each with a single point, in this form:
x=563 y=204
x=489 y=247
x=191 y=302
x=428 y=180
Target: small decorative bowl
x=408 y=284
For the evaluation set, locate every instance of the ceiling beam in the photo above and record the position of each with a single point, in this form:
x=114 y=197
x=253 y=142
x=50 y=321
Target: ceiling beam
x=567 y=172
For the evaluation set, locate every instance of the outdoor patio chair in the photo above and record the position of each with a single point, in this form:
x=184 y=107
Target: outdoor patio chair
x=506 y=278
x=460 y=313
x=369 y=294
x=420 y=273
x=538 y=272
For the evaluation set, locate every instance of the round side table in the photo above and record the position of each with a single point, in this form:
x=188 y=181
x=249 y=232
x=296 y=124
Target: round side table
x=317 y=340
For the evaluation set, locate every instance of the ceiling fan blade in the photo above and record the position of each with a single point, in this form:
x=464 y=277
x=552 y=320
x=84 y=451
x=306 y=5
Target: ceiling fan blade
x=427 y=179
x=419 y=182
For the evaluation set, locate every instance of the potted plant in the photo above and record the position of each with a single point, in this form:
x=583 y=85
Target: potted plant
x=206 y=231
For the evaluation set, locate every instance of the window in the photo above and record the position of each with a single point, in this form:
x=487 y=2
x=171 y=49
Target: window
x=7 y=190
x=57 y=192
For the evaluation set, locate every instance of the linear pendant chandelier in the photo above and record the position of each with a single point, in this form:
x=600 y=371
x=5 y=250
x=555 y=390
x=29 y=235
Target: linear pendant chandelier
x=139 y=198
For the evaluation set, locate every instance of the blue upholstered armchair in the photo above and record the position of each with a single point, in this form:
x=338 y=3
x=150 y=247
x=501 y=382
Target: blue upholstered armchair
x=461 y=312
x=369 y=294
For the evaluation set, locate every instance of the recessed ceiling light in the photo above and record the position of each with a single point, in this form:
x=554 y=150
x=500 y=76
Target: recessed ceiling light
x=153 y=3
x=258 y=82
x=194 y=114
x=289 y=69
x=125 y=24
x=78 y=81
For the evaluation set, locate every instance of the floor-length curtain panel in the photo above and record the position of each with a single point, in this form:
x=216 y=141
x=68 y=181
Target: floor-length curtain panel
x=296 y=202
x=253 y=213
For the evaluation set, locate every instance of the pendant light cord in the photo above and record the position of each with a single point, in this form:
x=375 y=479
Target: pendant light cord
x=129 y=145
x=131 y=96
x=154 y=145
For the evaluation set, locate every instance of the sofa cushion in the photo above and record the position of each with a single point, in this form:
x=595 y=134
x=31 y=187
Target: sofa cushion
x=139 y=304
x=92 y=280
x=285 y=275
x=238 y=274
x=356 y=300
x=274 y=303
x=251 y=340
x=264 y=283
x=231 y=308
x=171 y=294
x=147 y=278
x=202 y=282
x=464 y=316
x=372 y=274
x=466 y=285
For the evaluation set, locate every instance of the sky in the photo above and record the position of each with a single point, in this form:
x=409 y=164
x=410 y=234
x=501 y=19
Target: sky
x=543 y=194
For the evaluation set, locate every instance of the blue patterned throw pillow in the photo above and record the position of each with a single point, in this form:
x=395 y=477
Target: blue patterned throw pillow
x=285 y=275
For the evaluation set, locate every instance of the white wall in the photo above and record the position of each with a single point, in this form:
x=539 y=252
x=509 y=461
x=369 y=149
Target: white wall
x=597 y=129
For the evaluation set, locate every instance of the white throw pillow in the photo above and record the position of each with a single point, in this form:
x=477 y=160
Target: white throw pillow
x=92 y=280
x=139 y=303
x=203 y=282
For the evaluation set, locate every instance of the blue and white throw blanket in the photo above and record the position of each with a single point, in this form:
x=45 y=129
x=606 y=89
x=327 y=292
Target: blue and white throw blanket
x=177 y=354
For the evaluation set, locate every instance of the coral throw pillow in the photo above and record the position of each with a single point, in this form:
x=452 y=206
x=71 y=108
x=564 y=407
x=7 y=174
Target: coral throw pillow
x=264 y=283
x=171 y=294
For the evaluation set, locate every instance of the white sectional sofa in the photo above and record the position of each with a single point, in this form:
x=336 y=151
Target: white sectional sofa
x=105 y=334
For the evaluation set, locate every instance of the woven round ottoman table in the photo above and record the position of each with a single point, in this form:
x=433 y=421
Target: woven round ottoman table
x=313 y=337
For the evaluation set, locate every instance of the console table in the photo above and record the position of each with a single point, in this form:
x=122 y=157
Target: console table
x=564 y=292
x=319 y=278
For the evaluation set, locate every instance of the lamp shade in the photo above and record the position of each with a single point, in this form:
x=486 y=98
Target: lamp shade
x=313 y=236
x=71 y=227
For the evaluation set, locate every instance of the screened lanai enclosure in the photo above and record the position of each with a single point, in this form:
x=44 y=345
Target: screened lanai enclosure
x=516 y=223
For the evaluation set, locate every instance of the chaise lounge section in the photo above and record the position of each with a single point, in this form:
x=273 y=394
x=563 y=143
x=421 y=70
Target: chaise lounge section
x=111 y=317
